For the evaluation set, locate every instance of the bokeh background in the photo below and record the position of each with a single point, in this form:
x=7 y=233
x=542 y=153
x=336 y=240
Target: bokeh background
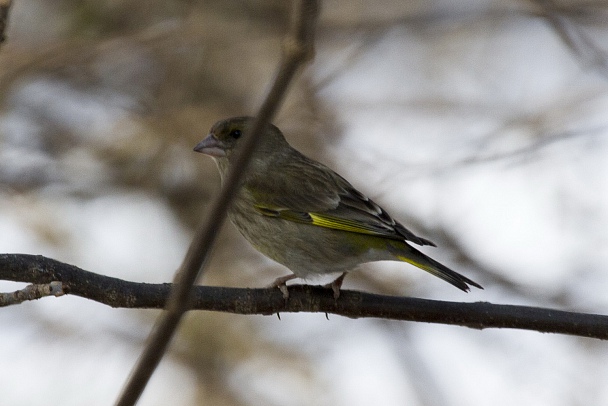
x=481 y=125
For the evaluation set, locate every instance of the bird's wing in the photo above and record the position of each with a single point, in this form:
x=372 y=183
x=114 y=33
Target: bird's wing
x=318 y=196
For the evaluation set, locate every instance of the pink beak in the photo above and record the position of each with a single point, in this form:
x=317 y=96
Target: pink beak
x=211 y=146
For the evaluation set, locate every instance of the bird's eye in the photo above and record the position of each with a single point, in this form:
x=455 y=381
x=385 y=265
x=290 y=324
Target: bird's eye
x=236 y=134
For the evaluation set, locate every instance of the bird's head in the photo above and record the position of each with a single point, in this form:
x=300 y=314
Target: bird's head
x=226 y=135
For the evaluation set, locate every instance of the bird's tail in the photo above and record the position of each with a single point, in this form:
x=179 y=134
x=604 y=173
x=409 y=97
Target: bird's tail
x=419 y=260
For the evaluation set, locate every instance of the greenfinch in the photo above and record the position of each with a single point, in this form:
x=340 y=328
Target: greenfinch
x=305 y=216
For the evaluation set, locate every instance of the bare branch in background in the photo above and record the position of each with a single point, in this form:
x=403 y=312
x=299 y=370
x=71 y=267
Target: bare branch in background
x=302 y=298
x=573 y=36
x=297 y=49
x=5 y=6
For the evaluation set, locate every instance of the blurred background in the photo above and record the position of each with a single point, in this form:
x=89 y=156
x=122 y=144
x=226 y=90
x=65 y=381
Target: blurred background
x=481 y=125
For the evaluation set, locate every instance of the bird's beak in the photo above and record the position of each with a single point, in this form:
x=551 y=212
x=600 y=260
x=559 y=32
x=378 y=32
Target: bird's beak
x=211 y=146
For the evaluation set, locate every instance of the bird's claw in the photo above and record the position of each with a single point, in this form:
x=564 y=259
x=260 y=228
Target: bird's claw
x=284 y=290
x=281 y=284
x=336 y=285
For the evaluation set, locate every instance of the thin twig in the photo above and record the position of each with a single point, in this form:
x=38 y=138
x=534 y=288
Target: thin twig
x=302 y=298
x=31 y=292
x=298 y=48
x=5 y=6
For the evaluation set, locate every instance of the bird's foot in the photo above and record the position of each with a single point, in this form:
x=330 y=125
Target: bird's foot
x=281 y=284
x=336 y=285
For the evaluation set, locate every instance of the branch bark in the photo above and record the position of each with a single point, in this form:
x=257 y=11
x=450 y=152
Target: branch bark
x=302 y=298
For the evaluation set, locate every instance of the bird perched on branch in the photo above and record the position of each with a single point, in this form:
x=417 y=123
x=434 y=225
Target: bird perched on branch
x=305 y=216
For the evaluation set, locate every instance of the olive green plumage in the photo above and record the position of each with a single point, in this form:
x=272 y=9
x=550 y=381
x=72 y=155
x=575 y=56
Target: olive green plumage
x=305 y=216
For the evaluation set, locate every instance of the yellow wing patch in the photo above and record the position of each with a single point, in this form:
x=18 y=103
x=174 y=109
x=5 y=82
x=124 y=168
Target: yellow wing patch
x=342 y=224
x=321 y=220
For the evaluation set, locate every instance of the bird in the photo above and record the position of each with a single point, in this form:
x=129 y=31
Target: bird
x=303 y=215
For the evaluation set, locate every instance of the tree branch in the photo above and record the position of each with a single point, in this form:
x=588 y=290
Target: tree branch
x=302 y=298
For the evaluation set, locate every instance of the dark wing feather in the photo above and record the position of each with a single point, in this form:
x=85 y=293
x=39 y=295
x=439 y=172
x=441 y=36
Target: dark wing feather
x=303 y=196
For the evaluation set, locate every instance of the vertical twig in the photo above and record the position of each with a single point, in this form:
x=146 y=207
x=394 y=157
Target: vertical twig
x=5 y=6
x=298 y=48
